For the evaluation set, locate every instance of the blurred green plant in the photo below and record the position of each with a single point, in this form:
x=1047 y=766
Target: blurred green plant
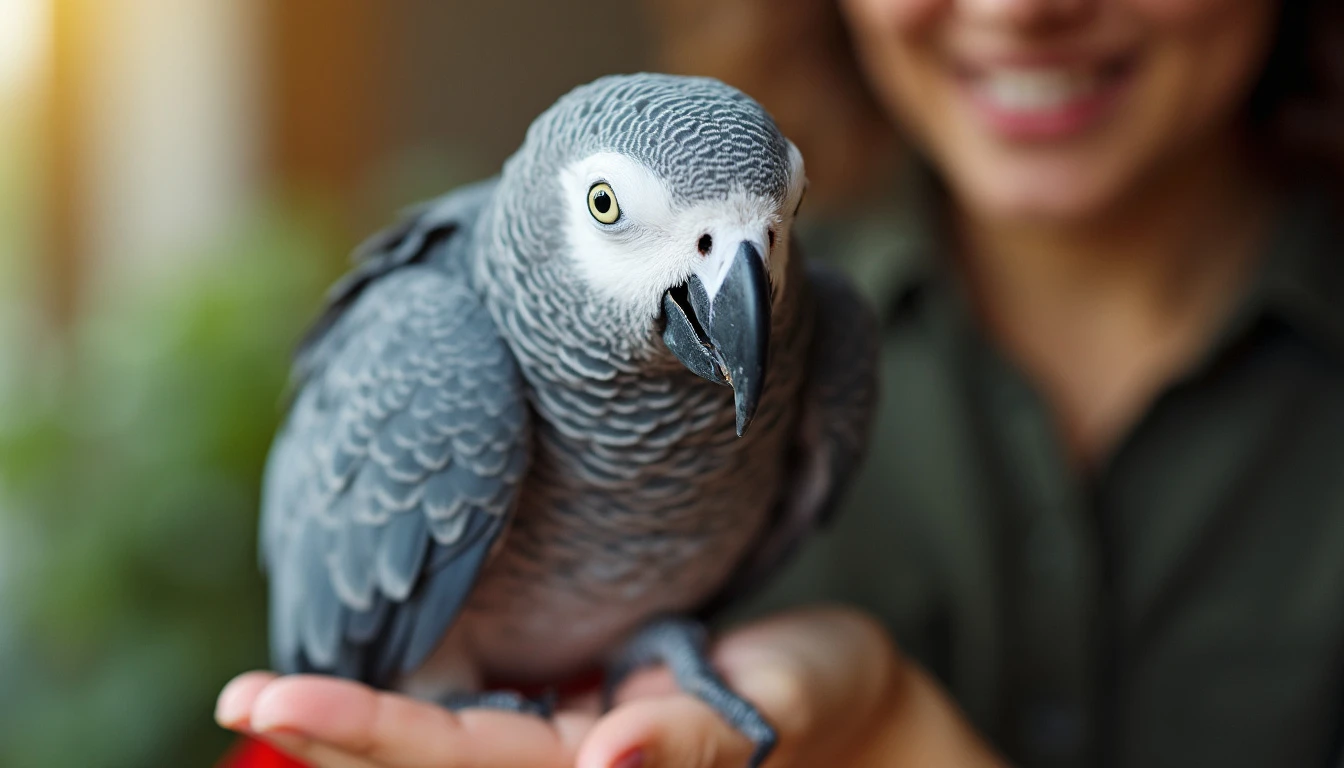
x=129 y=475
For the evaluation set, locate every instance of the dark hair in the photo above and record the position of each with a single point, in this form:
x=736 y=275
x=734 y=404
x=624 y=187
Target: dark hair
x=795 y=57
x=1297 y=109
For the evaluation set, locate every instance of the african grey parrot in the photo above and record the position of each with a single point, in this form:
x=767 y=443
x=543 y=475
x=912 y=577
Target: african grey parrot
x=510 y=454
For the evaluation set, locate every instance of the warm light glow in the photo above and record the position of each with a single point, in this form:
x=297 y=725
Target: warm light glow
x=25 y=26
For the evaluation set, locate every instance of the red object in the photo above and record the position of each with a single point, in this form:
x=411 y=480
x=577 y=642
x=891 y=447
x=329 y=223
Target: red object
x=251 y=753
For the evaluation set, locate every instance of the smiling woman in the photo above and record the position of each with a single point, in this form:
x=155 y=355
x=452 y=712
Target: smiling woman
x=804 y=66
x=1109 y=281
x=1047 y=125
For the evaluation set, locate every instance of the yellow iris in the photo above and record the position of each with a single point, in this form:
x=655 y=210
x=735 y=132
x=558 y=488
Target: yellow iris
x=602 y=204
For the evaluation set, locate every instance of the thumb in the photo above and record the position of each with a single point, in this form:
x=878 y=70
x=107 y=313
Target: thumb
x=675 y=731
x=817 y=676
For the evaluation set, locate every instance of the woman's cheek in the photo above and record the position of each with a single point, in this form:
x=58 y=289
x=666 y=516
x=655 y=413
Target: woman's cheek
x=1179 y=15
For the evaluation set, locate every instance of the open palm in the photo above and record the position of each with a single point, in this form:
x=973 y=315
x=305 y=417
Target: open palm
x=830 y=681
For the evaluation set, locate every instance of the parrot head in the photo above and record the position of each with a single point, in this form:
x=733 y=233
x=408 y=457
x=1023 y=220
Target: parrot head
x=678 y=197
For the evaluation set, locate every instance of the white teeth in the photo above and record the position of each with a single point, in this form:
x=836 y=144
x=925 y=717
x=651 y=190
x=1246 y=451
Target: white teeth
x=1035 y=90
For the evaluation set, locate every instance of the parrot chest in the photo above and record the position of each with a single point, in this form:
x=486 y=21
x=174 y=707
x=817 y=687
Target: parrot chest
x=606 y=538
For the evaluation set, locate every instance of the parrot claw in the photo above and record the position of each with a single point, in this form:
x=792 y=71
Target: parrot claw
x=508 y=701
x=680 y=644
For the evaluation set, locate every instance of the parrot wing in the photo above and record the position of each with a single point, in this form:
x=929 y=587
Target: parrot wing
x=413 y=239
x=838 y=401
x=395 y=473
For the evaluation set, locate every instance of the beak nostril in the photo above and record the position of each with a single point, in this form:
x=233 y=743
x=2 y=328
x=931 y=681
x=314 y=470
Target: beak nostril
x=706 y=242
x=772 y=237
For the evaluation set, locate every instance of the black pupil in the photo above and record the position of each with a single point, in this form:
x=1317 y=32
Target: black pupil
x=601 y=201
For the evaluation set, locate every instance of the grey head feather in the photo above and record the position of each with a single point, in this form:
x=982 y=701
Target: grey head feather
x=700 y=135
x=703 y=139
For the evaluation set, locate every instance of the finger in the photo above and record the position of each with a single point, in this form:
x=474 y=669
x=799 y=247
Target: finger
x=646 y=683
x=318 y=754
x=664 y=732
x=818 y=676
x=399 y=732
x=819 y=670
x=233 y=710
x=234 y=704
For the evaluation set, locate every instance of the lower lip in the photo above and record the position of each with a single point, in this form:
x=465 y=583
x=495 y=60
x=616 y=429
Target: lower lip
x=1066 y=120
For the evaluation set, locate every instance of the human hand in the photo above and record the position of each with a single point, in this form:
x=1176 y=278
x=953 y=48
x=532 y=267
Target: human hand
x=332 y=723
x=829 y=680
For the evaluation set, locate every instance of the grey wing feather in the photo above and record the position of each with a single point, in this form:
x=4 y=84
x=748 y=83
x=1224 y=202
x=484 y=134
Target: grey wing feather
x=839 y=399
x=409 y=241
x=392 y=478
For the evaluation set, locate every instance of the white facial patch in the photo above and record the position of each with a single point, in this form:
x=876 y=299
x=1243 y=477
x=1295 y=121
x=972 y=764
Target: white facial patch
x=629 y=259
x=655 y=244
x=730 y=222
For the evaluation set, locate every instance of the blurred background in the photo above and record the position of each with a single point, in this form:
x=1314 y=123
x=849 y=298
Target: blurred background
x=179 y=182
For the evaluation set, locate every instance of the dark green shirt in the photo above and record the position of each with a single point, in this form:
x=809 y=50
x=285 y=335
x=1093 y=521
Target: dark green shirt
x=1184 y=606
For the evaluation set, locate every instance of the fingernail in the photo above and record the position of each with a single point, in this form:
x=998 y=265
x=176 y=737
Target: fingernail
x=631 y=759
x=229 y=709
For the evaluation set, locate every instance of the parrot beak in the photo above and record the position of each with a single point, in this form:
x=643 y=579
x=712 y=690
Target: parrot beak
x=722 y=332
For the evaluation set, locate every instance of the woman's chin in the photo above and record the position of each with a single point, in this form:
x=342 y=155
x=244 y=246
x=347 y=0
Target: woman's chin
x=1039 y=197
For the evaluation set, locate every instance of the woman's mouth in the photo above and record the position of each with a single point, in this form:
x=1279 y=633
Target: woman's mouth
x=1044 y=101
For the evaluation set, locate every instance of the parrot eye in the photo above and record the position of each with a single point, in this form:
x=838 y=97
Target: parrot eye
x=602 y=203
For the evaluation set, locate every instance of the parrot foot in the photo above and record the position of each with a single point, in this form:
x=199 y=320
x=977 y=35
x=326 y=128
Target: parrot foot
x=508 y=701
x=680 y=644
